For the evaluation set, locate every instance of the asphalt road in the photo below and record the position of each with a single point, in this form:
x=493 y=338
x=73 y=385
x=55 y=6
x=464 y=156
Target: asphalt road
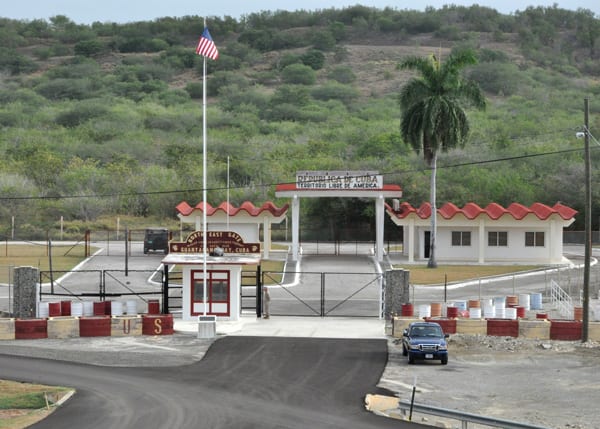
x=242 y=382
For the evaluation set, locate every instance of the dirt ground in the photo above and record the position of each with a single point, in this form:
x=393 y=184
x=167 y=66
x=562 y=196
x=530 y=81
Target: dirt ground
x=554 y=384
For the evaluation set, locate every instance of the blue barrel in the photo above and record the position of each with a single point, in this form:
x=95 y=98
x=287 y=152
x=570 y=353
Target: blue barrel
x=536 y=301
x=461 y=305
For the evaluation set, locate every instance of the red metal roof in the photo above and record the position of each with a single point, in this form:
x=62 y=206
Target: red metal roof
x=493 y=211
x=185 y=209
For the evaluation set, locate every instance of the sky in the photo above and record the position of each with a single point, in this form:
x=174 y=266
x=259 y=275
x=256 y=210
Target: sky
x=121 y=11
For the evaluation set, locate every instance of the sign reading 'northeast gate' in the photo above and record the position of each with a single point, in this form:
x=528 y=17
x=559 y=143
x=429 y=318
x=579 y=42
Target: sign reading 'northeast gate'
x=229 y=241
x=339 y=180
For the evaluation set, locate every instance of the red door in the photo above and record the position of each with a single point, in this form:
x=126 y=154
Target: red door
x=217 y=293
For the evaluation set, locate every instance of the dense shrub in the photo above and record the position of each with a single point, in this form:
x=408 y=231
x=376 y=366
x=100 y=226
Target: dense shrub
x=80 y=113
x=89 y=48
x=314 y=59
x=335 y=91
x=298 y=74
x=15 y=63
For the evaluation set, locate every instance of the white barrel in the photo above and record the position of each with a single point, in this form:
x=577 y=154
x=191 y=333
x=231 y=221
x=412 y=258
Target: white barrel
x=489 y=311
x=510 y=313
x=536 y=301
x=487 y=302
x=77 y=309
x=475 y=313
x=525 y=301
x=131 y=306
x=43 y=309
x=88 y=308
x=500 y=302
x=116 y=308
x=500 y=312
x=424 y=310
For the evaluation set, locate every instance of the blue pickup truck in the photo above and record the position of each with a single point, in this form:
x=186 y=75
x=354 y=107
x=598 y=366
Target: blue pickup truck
x=425 y=341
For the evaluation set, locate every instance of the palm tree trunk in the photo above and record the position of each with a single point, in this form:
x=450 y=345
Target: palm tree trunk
x=432 y=263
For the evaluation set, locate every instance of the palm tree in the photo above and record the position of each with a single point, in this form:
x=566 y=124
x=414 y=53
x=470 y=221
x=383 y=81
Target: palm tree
x=433 y=118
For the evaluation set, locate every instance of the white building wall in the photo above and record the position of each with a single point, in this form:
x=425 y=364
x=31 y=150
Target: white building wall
x=514 y=252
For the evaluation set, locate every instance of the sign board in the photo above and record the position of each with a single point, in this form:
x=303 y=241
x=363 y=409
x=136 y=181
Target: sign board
x=347 y=180
x=229 y=241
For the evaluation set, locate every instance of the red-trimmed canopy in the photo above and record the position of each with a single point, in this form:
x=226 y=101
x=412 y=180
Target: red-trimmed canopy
x=493 y=211
x=185 y=209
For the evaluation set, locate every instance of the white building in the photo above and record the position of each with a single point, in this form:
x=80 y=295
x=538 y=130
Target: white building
x=494 y=234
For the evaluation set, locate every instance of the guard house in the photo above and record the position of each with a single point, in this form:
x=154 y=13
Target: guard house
x=218 y=293
x=515 y=234
x=344 y=184
x=245 y=220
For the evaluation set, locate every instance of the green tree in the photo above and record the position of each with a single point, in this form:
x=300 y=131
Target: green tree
x=433 y=118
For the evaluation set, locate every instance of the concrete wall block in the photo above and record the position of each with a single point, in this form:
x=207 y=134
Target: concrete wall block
x=471 y=326
x=594 y=331
x=126 y=326
x=401 y=323
x=534 y=329
x=63 y=327
x=7 y=329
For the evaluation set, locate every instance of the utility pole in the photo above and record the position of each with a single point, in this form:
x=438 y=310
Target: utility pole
x=588 y=223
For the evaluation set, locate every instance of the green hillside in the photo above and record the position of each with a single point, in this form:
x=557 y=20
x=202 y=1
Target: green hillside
x=105 y=120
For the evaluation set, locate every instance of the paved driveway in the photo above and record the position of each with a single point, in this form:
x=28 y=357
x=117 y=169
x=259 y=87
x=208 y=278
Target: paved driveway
x=242 y=382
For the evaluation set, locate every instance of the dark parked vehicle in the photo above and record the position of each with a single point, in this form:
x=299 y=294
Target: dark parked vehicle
x=156 y=239
x=425 y=341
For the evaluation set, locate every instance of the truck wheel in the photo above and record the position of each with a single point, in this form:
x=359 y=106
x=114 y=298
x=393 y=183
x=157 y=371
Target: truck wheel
x=411 y=359
x=445 y=360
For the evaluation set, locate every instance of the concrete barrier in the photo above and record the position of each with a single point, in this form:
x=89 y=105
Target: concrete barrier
x=126 y=326
x=503 y=327
x=594 y=331
x=447 y=325
x=534 y=329
x=31 y=329
x=63 y=327
x=471 y=326
x=7 y=329
x=401 y=323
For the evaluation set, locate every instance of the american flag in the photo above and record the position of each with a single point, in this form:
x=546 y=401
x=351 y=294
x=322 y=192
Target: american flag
x=206 y=47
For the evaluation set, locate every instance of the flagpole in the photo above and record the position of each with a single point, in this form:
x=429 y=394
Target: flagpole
x=228 y=193
x=204 y=228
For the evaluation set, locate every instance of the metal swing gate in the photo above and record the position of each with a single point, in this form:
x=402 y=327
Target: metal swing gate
x=324 y=294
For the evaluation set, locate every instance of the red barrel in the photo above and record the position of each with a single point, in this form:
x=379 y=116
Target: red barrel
x=452 y=312
x=407 y=310
x=577 y=313
x=153 y=306
x=65 y=308
x=566 y=330
x=107 y=308
x=541 y=315
x=503 y=327
x=54 y=309
x=96 y=326
x=521 y=312
x=157 y=324
x=99 y=308
x=31 y=329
